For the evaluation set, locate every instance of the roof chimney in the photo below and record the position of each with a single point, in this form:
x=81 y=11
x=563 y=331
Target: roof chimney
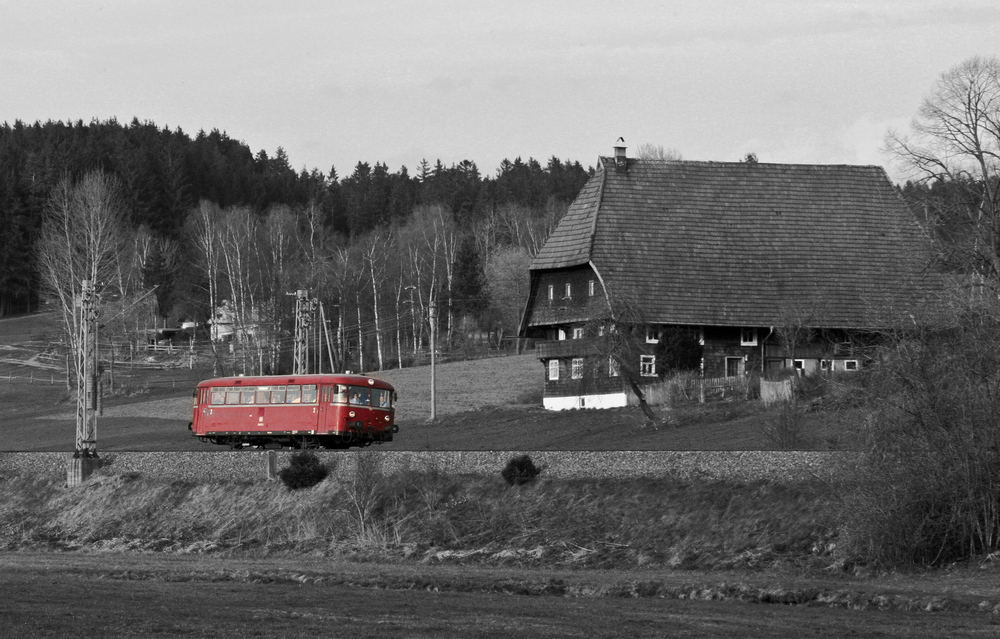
x=621 y=162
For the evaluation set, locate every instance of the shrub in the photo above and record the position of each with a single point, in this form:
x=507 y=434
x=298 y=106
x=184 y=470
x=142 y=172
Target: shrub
x=520 y=470
x=305 y=470
x=926 y=489
x=783 y=425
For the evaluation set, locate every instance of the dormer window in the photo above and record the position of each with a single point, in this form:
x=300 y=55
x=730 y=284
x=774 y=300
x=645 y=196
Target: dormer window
x=590 y=288
x=748 y=337
x=552 y=292
x=569 y=292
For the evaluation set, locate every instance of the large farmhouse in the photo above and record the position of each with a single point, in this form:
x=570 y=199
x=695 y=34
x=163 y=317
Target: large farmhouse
x=739 y=254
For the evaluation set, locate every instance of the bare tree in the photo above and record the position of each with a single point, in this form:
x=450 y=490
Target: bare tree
x=508 y=284
x=647 y=151
x=376 y=250
x=955 y=137
x=202 y=226
x=81 y=239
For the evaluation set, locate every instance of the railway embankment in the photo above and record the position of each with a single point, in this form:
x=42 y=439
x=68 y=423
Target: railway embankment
x=742 y=466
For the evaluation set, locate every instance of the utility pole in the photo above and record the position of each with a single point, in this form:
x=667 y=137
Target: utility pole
x=85 y=459
x=433 y=318
x=304 y=309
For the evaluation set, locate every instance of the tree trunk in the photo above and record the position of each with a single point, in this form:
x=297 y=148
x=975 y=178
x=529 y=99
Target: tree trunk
x=647 y=411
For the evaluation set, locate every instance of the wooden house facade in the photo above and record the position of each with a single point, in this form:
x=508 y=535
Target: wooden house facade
x=740 y=254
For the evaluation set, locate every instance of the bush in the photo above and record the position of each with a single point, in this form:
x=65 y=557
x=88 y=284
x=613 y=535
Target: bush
x=520 y=470
x=305 y=470
x=926 y=489
x=783 y=425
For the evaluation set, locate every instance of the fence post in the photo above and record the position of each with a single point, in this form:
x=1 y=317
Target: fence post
x=272 y=465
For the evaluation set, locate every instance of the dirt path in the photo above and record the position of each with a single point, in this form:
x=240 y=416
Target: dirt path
x=131 y=595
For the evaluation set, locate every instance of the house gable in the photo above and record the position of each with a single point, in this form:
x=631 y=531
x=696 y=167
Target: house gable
x=565 y=296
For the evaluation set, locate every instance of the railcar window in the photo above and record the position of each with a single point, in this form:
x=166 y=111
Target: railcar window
x=381 y=398
x=277 y=394
x=294 y=394
x=309 y=393
x=218 y=395
x=340 y=393
x=247 y=394
x=360 y=395
x=232 y=396
x=263 y=394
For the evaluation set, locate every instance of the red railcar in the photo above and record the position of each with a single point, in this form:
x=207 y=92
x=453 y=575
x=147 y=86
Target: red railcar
x=297 y=411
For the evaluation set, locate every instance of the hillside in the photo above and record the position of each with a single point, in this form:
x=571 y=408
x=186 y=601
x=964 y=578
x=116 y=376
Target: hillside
x=484 y=404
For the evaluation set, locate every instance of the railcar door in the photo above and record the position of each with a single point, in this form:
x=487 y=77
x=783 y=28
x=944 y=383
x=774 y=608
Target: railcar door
x=292 y=408
x=325 y=398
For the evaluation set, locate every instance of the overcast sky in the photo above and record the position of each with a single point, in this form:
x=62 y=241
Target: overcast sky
x=337 y=82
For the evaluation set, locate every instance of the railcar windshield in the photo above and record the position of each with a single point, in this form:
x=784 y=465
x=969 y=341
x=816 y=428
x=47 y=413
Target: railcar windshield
x=360 y=395
x=382 y=398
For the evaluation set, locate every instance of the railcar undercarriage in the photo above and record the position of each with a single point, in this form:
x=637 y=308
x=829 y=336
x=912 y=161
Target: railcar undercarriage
x=359 y=438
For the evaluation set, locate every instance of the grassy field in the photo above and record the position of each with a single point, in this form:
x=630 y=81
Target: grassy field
x=487 y=404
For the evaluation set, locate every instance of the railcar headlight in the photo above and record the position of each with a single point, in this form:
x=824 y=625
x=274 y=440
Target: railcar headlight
x=350 y=414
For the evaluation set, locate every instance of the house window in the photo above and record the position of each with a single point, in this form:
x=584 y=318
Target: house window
x=647 y=365
x=800 y=365
x=578 y=332
x=553 y=370
x=734 y=366
x=701 y=336
x=577 y=370
x=748 y=337
x=562 y=334
x=653 y=334
x=850 y=364
x=552 y=292
x=569 y=292
x=824 y=364
x=590 y=288
x=613 y=368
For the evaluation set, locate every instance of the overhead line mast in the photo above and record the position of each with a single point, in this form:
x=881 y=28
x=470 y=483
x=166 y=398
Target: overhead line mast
x=85 y=459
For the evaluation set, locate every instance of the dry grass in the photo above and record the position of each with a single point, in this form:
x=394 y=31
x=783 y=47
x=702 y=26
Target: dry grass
x=431 y=515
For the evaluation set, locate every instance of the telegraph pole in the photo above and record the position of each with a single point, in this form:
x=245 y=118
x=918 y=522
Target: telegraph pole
x=85 y=459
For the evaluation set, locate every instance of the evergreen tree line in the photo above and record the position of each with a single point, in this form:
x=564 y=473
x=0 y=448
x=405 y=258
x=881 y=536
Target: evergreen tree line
x=210 y=222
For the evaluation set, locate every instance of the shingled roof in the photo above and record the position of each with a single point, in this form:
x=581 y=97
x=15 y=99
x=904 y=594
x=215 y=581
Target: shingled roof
x=744 y=244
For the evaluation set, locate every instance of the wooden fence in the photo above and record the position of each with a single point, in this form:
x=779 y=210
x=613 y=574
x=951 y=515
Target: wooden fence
x=695 y=388
x=33 y=378
x=774 y=392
